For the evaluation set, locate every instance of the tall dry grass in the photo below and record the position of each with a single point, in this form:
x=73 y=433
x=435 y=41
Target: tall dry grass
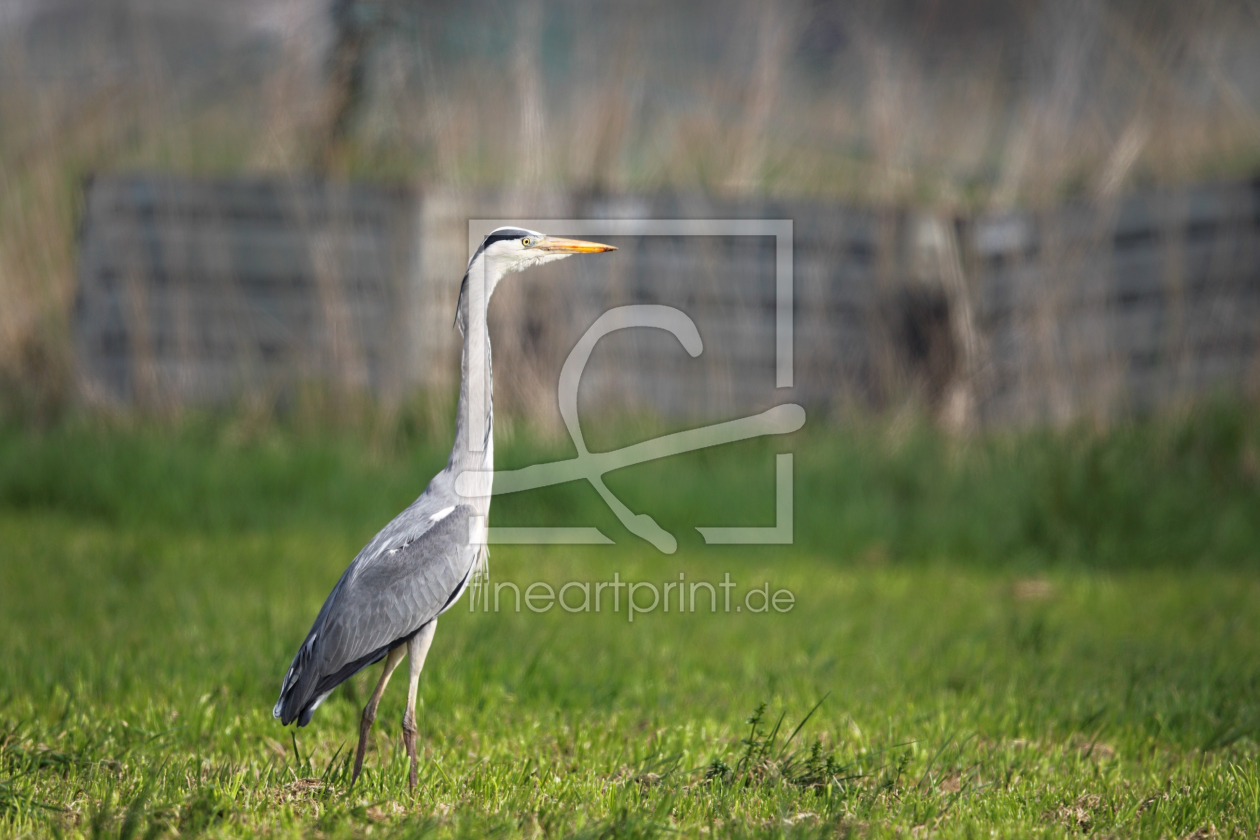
x=970 y=106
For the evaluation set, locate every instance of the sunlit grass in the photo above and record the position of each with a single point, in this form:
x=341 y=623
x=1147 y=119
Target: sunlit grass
x=153 y=587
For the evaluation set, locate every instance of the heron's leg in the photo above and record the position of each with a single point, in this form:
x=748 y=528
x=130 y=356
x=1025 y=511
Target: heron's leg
x=417 y=650
x=369 y=711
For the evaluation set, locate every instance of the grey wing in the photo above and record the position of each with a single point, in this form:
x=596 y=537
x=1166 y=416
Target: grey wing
x=386 y=595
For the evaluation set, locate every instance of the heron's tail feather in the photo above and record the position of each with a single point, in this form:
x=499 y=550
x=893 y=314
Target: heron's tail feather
x=304 y=687
x=297 y=685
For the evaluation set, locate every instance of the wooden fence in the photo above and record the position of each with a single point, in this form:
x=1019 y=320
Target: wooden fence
x=198 y=291
x=1098 y=310
x=204 y=291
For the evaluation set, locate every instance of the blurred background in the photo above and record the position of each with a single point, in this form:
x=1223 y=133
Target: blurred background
x=1028 y=222
x=1026 y=521
x=1005 y=213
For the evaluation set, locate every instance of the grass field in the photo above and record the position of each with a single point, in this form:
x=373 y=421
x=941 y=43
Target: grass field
x=1039 y=635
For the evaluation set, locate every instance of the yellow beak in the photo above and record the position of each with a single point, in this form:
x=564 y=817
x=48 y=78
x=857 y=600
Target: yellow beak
x=555 y=245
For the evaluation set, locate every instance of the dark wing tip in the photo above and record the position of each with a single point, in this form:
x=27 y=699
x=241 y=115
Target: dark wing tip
x=294 y=690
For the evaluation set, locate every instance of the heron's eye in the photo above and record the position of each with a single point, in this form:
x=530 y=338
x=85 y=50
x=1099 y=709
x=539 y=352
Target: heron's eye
x=527 y=242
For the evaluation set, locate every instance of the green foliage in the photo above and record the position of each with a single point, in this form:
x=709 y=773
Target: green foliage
x=1045 y=634
x=1156 y=492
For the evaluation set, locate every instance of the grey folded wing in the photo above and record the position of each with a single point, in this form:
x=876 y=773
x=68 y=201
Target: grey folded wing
x=400 y=582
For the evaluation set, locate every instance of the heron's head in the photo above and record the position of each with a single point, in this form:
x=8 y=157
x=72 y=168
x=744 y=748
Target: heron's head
x=509 y=249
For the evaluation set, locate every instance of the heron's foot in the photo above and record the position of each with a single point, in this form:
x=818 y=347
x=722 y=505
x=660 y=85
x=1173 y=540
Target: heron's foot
x=409 y=741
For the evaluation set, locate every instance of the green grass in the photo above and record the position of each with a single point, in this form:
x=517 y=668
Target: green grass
x=1046 y=634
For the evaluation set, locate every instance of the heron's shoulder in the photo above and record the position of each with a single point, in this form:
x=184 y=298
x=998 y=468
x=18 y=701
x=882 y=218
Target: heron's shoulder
x=430 y=526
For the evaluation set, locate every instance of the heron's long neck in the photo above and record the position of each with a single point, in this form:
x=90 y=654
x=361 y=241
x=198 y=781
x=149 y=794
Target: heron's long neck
x=474 y=424
x=474 y=451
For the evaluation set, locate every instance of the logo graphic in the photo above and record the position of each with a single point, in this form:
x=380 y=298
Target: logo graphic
x=591 y=466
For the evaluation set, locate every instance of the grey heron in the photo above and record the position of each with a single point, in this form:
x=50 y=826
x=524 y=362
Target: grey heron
x=387 y=602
